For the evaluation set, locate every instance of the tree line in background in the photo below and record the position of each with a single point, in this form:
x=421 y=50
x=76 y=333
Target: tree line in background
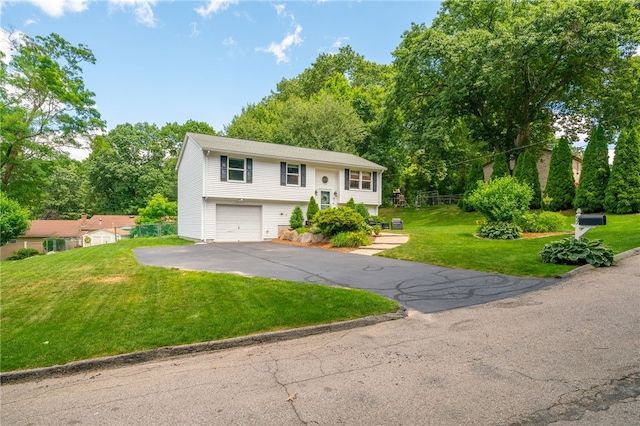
x=486 y=78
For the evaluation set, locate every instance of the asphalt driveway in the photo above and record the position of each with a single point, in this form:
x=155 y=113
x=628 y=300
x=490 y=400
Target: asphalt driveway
x=425 y=288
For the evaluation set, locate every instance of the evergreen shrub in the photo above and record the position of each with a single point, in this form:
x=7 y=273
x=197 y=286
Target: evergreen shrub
x=561 y=187
x=622 y=195
x=500 y=166
x=500 y=230
x=297 y=219
x=312 y=208
x=526 y=171
x=595 y=174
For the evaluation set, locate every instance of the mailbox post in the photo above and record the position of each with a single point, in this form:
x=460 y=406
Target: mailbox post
x=586 y=222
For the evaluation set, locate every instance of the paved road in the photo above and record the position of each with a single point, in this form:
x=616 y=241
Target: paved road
x=569 y=353
x=425 y=288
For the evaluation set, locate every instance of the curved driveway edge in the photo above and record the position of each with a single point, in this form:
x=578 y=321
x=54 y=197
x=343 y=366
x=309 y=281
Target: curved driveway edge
x=425 y=288
x=174 y=351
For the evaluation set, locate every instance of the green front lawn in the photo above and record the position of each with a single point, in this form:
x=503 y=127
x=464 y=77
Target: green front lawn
x=444 y=235
x=99 y=301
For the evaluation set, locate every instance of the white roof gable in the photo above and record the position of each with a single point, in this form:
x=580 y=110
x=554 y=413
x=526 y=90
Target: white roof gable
x=243 y=147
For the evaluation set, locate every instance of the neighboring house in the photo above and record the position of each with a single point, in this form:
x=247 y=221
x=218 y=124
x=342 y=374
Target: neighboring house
x=543 y=168
x=240 y=190
x=103 y=236
x=110 y=228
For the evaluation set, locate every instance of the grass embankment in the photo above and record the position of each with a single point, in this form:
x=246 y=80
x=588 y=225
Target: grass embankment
x=444 y=235
x=99 y=301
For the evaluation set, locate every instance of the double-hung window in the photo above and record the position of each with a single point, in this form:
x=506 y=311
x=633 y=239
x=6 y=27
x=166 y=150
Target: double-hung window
x=293 y=174
x=236 y=169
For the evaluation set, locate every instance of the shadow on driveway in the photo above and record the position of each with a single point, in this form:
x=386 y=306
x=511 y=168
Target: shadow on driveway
x=418 y=286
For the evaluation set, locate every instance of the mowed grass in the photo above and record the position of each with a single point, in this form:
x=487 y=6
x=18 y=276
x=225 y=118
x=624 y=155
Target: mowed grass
x=99 y=301
x=444 y=235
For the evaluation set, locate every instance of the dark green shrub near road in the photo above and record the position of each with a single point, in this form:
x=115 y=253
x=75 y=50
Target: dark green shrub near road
x=570 y=251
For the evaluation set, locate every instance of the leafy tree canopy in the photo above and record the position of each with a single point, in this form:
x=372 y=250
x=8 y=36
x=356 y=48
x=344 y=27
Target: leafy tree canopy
x=157 y=210
x=509 y=67
x=14 y=219
x=44 y=102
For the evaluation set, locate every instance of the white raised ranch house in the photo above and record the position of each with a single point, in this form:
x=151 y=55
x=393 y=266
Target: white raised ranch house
x=239 y=190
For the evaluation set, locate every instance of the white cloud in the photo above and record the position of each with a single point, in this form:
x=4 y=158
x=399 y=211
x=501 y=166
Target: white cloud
x=57 y=8
x=142 y=9
x=30 y=21
x=194 y=29
x=214 y=6
x=279 y=8
x=338 y=43
x=279 y=50
x=7 y=41
x=229 y=41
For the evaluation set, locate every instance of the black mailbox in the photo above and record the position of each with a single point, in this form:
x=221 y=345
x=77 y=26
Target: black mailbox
x=594 y=219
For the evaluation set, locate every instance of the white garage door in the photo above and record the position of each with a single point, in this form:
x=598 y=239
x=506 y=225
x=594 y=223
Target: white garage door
x=238 y=223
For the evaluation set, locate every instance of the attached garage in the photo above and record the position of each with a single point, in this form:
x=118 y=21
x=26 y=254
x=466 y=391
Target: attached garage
x=238 y=223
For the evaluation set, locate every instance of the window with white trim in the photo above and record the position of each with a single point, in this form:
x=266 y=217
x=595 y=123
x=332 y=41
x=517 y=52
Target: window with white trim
x=293 y=174
x=236 y=169
x=360 y=180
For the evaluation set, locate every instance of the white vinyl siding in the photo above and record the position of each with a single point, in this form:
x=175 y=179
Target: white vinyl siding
x=265 y=183
x=190 y=182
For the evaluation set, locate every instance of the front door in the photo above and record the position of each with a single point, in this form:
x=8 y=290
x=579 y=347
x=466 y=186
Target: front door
x=325 y=199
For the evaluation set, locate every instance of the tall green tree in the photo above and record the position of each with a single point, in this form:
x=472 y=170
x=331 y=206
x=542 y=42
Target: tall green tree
x=561 y=187
x=157 y=210
x=14 y=219
x=44 y=105
x=500 y=166
x=511 y=67
x=622 y=195
x=595 y=174
x=127 y=167
x=526 y=171
x=67 y=194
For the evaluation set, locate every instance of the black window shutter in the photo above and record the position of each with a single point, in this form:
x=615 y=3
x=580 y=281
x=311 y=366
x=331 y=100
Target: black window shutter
x=375 y=181
x=346 y=179
x=303 y=175
x=223 y=168
x=283 y=173
x=249 y=170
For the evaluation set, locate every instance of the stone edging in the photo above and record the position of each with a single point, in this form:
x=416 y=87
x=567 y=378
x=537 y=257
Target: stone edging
x=174 y=351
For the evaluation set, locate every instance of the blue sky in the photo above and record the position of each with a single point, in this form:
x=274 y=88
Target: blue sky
x=171 y=61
